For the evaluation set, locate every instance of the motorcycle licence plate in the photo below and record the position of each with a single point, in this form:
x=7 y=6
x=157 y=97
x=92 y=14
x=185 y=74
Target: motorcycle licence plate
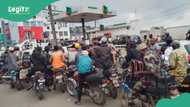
x=41 y=80
x=59 y=77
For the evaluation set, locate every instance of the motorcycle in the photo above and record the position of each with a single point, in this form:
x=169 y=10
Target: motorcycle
x=94 y=92
x=110 y=86
x=14 y=79
x=59 y=80
x=38 y=84
x=71 y=83
x=91 y=87
x=139 y=96
x=23 y=80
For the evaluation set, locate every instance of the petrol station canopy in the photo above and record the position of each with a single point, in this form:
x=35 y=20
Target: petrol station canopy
x=86 y=13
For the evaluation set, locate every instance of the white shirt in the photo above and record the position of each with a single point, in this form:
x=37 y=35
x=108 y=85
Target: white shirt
x=167 y=53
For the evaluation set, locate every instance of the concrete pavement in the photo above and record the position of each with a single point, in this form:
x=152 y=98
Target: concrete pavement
x=13 y=98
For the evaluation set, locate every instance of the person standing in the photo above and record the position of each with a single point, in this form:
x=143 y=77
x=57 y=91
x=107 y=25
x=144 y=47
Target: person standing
x=11 y=60
x=103 y=56
x=132 y=54
x=168 y=50
x=178 y=63
x=188 y=35
x=145 y=39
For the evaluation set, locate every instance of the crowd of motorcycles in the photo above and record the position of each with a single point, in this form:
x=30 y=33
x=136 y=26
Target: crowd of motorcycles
x=63 y=80
x=96 y=86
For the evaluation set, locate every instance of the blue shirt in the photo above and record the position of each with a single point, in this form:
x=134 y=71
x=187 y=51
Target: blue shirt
x=84 y=64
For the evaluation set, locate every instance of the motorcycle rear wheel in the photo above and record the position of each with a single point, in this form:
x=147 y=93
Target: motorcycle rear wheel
x=62 y=87
x=12 y=85
x=20 y=86
x=98 y=96
x=40 y=95
x=71 y=87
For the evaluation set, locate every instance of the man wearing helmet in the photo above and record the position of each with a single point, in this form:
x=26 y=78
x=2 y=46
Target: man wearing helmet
x=77 y=45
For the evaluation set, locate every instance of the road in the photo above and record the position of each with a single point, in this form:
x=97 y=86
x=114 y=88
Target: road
x=13 y=98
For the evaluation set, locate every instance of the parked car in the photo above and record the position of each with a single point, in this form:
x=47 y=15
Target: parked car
x=159 y=45
x=185 y=45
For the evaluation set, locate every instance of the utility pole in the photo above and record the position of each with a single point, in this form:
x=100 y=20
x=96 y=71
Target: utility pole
x=83 y=28
x=52 y=25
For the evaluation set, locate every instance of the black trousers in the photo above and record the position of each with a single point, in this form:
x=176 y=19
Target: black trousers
x=81 y=80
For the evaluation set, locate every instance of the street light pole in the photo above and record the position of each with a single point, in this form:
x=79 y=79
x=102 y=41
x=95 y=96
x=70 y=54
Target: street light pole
x=52 y=25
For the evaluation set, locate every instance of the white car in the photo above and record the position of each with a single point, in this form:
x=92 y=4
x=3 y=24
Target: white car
x=185 y=45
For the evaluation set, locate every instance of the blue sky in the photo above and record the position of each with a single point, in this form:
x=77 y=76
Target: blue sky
x=147 y=12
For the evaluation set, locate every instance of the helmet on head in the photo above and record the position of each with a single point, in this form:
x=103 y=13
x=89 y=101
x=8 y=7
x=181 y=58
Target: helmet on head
x=77 y=45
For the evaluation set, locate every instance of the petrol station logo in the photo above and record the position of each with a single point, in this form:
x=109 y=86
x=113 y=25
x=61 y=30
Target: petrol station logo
x=19 y=10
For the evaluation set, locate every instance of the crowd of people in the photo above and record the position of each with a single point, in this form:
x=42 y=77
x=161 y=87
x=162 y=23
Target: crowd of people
x=169 y=57
x=102 y=54
x=99 y=54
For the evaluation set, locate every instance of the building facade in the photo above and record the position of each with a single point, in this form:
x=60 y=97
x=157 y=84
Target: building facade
x=38 y=29
x=9 y=29
x=114 y=31
x=62 y=31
